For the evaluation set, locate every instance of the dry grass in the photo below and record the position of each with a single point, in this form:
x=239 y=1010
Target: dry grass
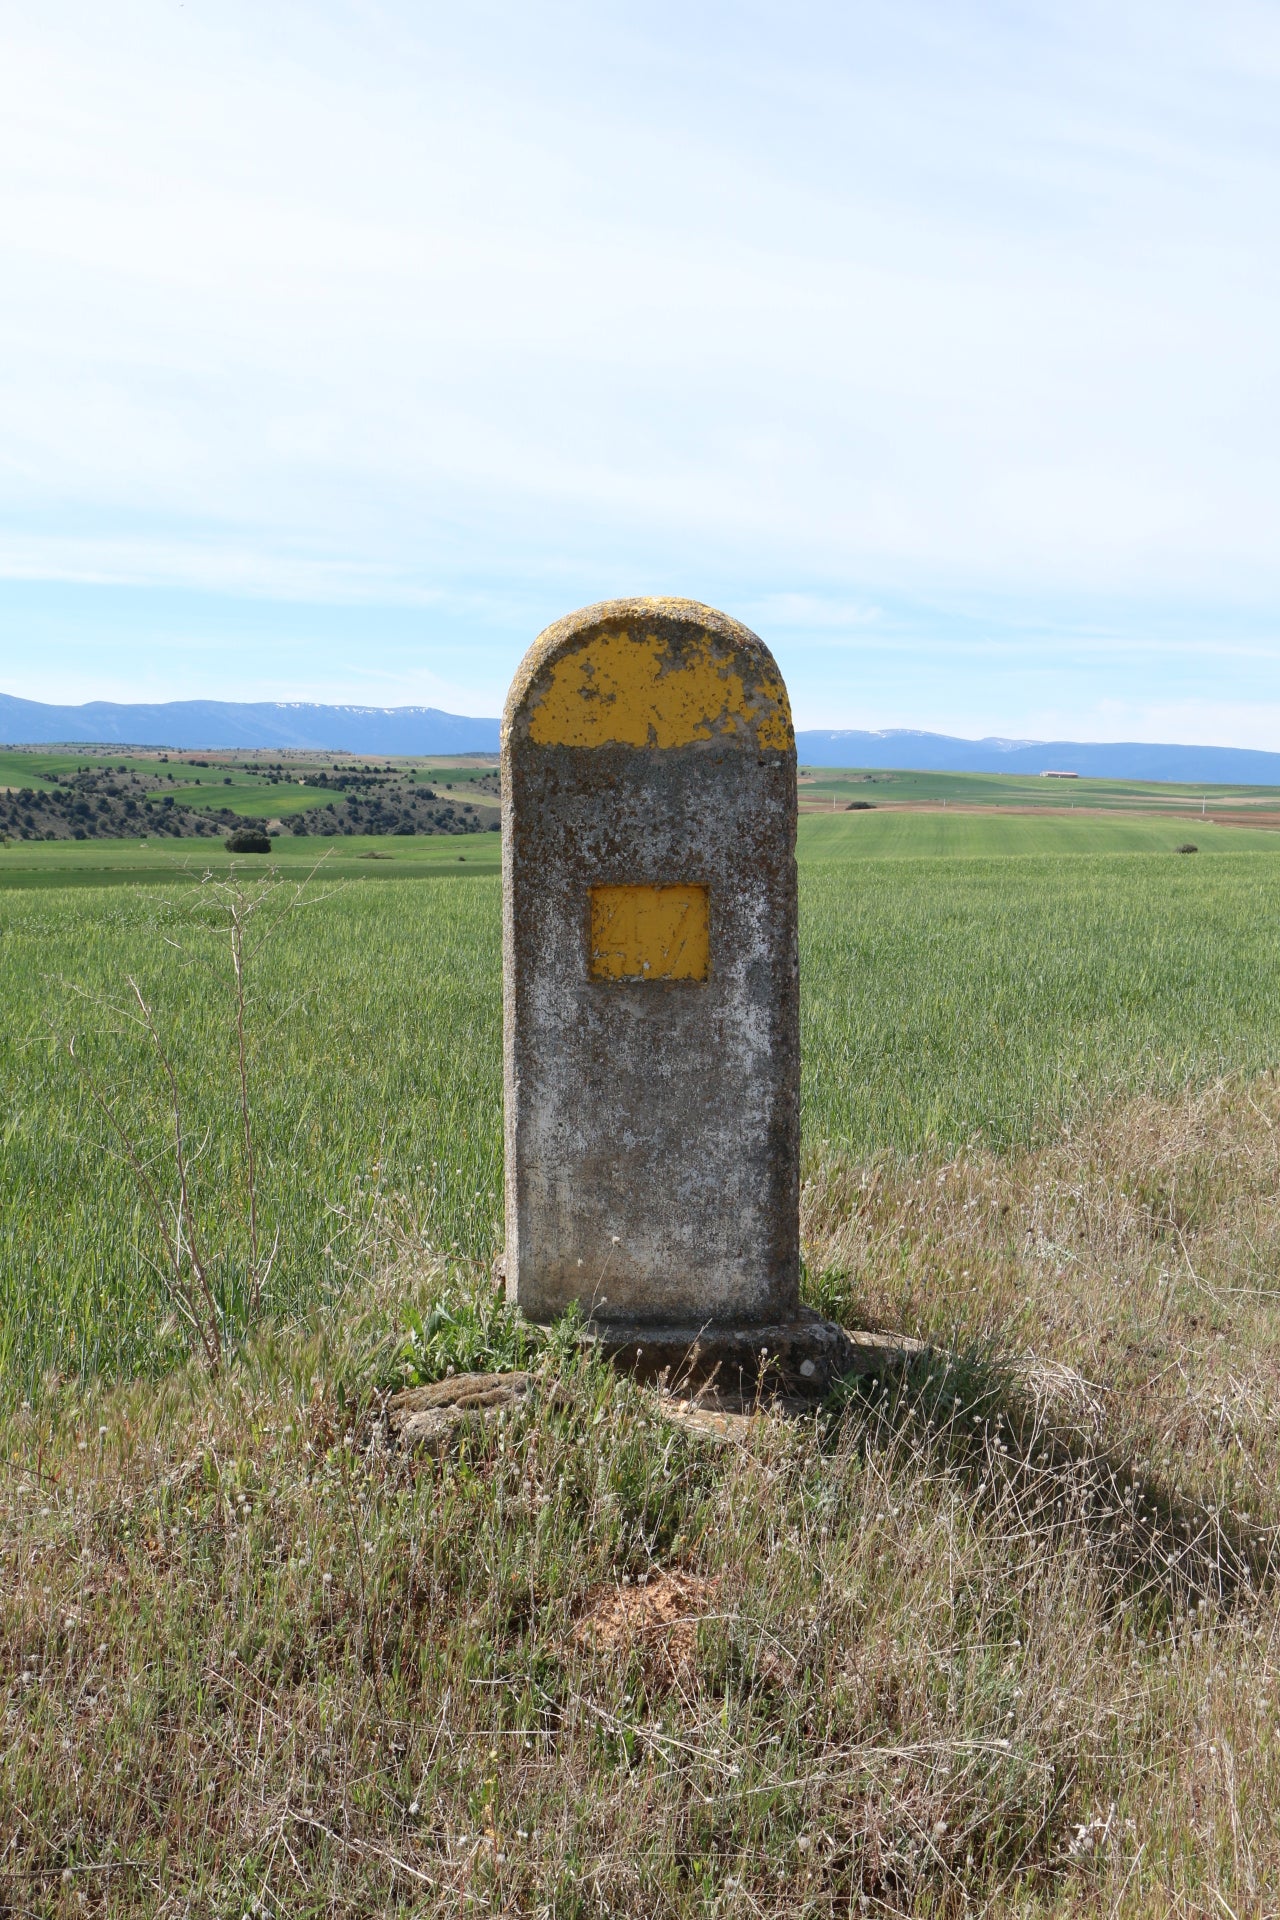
x=997 y=1636
x=1133 y=1267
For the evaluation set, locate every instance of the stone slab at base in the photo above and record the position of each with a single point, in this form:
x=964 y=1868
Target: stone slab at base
x=803 y=1357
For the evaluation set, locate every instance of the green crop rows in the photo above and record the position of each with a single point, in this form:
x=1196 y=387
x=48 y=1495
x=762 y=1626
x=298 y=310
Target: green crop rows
x=903 y=835
x=947 y=994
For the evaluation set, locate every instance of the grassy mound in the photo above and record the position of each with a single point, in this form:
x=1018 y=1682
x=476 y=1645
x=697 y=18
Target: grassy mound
x=995 y=1634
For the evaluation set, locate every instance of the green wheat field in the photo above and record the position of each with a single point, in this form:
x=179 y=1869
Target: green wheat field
x=992 y=1633
x=965 y=980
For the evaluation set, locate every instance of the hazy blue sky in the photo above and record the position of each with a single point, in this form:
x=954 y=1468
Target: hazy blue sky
x=342 y=346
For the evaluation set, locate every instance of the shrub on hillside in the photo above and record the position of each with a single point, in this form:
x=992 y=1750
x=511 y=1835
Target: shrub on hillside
x=247 y=840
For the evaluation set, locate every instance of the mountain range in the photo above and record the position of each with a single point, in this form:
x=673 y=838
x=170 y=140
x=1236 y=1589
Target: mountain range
x=280 y=724
x=1099 y=760
x=276 y=724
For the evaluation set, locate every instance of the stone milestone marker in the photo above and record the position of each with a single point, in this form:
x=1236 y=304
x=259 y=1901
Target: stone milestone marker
x=650 y=992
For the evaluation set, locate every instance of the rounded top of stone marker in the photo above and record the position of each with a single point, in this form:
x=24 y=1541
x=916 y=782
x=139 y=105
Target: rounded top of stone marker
x=649 y=673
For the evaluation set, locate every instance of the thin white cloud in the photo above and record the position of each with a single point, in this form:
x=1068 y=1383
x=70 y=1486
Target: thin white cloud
x=922 y=302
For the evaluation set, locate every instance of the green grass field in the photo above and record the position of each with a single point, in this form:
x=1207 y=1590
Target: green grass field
x=993 y=1634
x=376 y=1021
x=257 y=799
x=32 y=769
x=175 y=863
x=884 y=787
x=948 y=994
x=838 y=838
x=257 y=786
x=922 y=836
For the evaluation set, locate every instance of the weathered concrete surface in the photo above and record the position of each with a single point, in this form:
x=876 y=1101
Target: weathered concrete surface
x=650 y=971
x=803 y=1355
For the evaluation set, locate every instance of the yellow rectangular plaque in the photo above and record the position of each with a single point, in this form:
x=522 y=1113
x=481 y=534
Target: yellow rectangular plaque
x=649 y=933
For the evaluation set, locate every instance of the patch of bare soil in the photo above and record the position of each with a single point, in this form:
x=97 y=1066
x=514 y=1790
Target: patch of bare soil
x=659 y=1615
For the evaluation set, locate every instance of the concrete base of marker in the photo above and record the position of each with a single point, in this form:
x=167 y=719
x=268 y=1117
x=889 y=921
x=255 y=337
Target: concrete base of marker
x=803 y=1357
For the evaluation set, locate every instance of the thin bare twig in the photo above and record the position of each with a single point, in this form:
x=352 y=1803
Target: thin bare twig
x=238 y=917
x=187 y=1237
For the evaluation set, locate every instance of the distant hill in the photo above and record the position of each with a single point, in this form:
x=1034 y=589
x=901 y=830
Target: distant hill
x=1111 y=760
x=420 y=730
x=232 y=723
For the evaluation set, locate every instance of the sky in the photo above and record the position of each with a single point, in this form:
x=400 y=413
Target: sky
x=344 y=346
